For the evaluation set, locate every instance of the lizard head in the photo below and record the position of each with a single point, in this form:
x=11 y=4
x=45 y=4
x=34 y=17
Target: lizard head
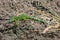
x=12 y=19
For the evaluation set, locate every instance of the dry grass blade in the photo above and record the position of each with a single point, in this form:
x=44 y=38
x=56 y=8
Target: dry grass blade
x=49 y=27
x=52 y=12
x=55 y=15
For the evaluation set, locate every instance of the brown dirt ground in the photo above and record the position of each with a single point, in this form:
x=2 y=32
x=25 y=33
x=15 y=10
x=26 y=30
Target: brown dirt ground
x=9 y=8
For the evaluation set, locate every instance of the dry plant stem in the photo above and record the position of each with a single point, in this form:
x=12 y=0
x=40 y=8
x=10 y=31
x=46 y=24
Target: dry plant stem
x=54 y=15
x=52 y=12
x=49 y=27
x=55 y=27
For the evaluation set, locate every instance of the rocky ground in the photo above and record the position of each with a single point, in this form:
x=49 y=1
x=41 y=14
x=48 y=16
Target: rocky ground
x=28 y=30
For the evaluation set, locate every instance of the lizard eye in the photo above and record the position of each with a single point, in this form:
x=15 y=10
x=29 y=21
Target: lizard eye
x=22 y=19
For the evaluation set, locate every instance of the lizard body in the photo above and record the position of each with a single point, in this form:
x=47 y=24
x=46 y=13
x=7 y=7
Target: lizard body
x=24 y=17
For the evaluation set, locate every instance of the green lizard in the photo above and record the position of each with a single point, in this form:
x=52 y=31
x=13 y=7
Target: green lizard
x=24 y=16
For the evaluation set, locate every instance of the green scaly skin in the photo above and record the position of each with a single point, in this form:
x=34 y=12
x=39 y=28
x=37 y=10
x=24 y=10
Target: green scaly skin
x=23 y=17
